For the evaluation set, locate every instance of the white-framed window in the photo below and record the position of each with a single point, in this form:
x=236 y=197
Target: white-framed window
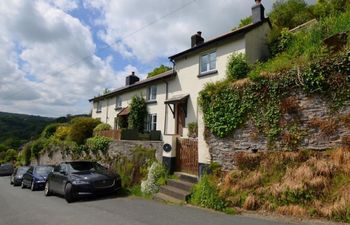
x=151 y=124
x=99 y=106
x=152 y=93
x=208 y=62
x=118 y=102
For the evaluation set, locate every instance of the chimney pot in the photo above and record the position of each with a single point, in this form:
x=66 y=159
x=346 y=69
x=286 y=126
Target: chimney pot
x=131 y=79
x=197 y=39
x=258 y=12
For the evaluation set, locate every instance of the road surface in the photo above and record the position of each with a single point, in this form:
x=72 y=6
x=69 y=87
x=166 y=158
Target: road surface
x=24 y=207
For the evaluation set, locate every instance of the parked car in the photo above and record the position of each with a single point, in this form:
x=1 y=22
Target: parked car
x=81 y=178
x=17 y=175
x=6 y=169
x=36 y=177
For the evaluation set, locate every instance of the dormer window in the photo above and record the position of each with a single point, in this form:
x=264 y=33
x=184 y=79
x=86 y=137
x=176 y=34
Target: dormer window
x=208 y=63
x=152 y=93
x=99 y=107
x=118 y=103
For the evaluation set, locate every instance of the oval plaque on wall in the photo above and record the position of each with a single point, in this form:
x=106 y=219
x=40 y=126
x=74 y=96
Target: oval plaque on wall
x=167 y=147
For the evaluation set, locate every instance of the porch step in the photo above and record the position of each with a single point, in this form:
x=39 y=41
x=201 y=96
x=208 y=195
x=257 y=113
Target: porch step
x=187 y=177
x=174 y=192
x=166 y=198
x=180 y=184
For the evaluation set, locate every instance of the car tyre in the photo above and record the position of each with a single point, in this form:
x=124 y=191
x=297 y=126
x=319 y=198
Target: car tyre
x=32 y=186
x=47 y=190
x=68 y=193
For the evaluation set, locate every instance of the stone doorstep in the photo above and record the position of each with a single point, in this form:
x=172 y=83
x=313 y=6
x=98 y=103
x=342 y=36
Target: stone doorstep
x=187 y=177
x=175 y=192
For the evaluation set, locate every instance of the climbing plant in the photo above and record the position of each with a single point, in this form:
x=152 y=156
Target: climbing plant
x=228 y=105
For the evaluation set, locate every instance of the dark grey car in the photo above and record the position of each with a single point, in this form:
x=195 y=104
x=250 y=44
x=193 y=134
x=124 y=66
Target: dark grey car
x=17 y=175
x=74 y=179
x=6 y=169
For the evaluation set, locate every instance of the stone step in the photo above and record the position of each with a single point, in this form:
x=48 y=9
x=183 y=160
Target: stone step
x=187 y=177
x=166 y=198
x=180 y=184
x=174 y=192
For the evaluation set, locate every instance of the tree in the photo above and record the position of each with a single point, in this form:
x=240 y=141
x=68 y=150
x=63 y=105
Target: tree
x=245 y=21
x=290 y=13
x=158 y=70
x=138 y=113
x=324 y=8
x=82 y=129
x=10 y=155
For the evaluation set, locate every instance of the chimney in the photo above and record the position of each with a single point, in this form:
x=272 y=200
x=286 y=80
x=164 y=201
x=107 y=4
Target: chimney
x=258 y=12
x=131 y=79
x=197 y=39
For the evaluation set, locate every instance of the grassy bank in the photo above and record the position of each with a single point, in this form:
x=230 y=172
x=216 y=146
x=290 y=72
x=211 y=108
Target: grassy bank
x=302 y=184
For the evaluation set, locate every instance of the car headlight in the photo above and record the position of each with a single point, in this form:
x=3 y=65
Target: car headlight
x=77 y=182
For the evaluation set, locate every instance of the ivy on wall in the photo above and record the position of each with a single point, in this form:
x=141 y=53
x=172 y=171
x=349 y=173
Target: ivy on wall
x=228 y=105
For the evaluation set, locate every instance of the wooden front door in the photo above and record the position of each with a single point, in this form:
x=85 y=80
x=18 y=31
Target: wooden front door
x=187 y=155
x=180 y=119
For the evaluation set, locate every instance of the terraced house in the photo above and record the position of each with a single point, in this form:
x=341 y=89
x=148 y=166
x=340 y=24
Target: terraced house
x=172 y=96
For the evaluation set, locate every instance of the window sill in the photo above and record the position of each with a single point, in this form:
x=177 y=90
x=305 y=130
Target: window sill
x=151 y=102
x=118 y=108
x=207 y=73
x=98 y=111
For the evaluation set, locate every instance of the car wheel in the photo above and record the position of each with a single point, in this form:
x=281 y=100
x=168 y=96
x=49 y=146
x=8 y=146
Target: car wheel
x=68 y=193
x=22 y=185
x=47 y=189
x=32 y=186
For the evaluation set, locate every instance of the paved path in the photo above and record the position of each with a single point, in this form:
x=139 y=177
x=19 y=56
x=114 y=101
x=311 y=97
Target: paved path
x=23 y=207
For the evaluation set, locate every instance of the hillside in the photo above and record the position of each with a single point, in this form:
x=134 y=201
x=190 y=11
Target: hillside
x=17 y=129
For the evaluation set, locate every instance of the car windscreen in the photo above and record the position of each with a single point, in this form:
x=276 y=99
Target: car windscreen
x=43 y=170
x=22 y=170
x=76 y=167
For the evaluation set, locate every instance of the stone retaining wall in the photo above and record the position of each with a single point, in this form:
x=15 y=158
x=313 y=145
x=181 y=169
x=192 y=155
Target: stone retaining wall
x=117 y=148
x=310 y=109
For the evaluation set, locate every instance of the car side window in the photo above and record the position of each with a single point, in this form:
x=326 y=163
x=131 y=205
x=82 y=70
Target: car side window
x=56 y=169
x=63 y=168
x=30 y=171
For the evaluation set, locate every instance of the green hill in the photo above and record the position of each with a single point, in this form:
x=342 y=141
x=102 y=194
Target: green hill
x=17 y=129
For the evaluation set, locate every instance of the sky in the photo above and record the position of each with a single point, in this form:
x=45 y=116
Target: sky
x=57 y=54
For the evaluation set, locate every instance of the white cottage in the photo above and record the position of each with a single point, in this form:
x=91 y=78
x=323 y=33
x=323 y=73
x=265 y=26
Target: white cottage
x=172 y=97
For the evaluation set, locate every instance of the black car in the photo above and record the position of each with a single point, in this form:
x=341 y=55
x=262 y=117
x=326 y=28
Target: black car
x=81 y=178
x=17 y=175
x=36 y=177
x=6 y=169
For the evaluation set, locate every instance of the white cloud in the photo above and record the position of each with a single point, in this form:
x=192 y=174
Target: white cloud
x=38 y=39
x=170 y=34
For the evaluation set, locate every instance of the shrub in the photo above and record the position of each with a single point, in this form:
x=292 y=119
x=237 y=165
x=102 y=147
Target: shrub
x=82 y=128
x=158 y=70
x=11 y=155
x=50 y=130
x=138 y=113
x=98 y=143
x=37 y=147
x=132 y=170
x=206 y=194
x=27 y=153
x=102 y=127
x=193 y=130
x=237 y=67
x=63 y=132
x=157 y=176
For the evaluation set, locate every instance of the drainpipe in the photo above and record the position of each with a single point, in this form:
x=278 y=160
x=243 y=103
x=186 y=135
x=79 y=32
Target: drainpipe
x=166 y=98
x=107 y=111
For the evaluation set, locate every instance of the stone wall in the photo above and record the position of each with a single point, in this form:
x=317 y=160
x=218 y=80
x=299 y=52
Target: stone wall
x=117 y=148
x=318 y=127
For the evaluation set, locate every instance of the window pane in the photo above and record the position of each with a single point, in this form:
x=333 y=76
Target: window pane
x=204 y=63
x=213 y=61
x=154 y=92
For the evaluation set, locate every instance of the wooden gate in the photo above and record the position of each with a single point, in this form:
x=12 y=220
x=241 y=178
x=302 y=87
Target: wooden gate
x=187 y=155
